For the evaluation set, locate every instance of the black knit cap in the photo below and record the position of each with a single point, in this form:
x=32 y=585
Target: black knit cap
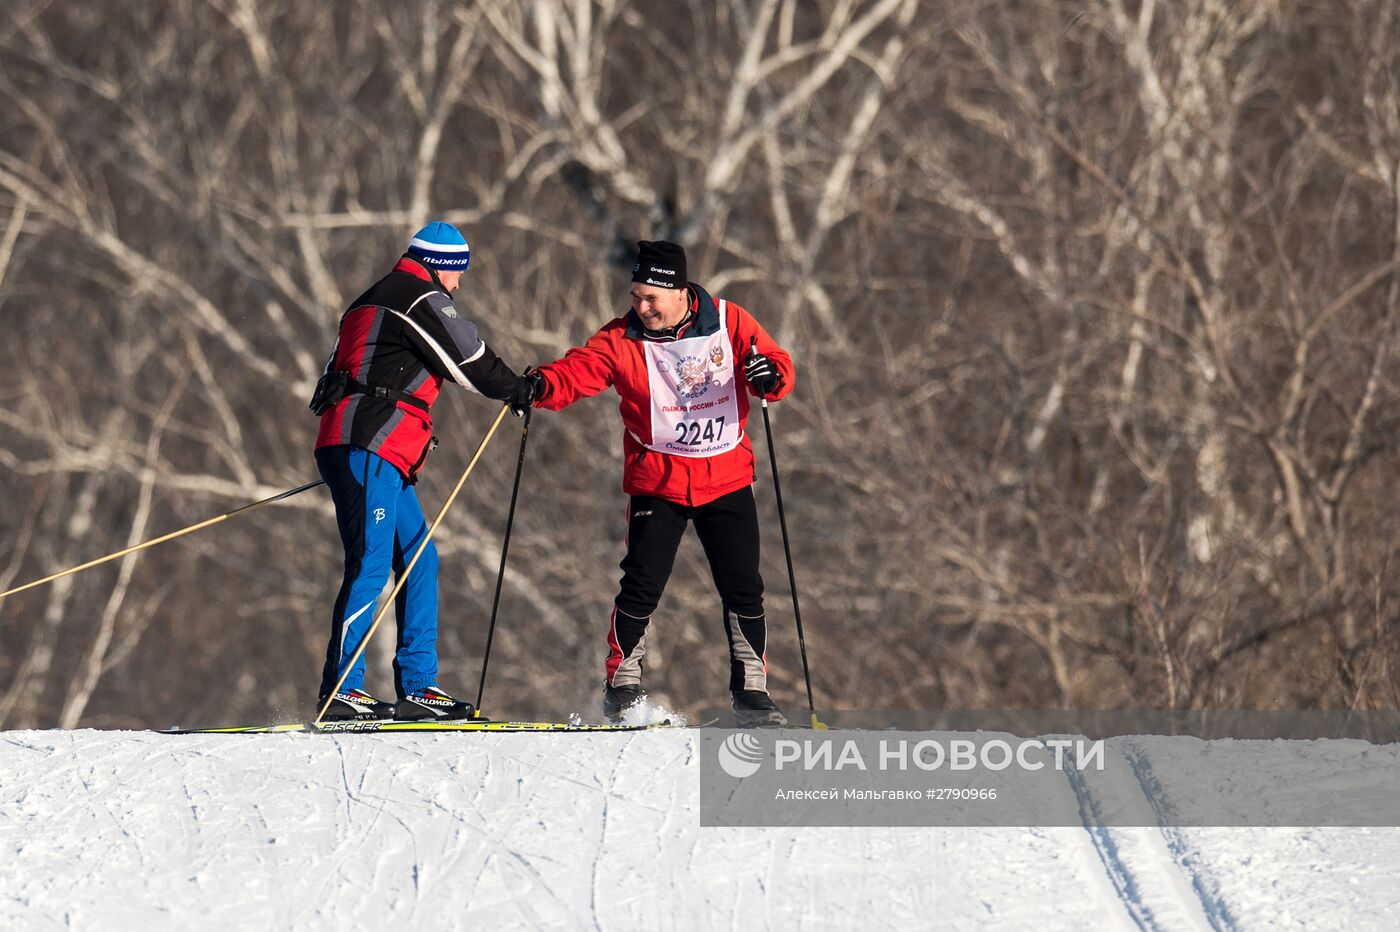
x=660 y=263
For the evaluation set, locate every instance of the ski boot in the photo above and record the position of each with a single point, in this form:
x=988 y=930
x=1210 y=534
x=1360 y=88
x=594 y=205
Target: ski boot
x=618 y=699
x=355 y=705
x=432 y=705
x=755 y=707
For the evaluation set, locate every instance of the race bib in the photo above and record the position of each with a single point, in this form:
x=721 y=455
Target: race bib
x=694 y=394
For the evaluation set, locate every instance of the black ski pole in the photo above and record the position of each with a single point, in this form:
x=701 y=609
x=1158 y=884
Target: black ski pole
x=787 y=552
x=505 y=548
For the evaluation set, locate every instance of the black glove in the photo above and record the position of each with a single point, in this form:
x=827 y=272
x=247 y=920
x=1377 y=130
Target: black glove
x=529 y=388
x=761 y=373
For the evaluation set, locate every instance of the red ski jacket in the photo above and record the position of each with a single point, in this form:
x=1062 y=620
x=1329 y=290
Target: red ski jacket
x=615 y=357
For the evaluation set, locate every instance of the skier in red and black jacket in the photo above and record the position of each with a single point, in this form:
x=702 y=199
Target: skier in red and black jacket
x=398 y=342
x=684 y=364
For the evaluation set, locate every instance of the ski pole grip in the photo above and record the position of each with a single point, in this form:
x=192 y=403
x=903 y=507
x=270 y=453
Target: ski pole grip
x=753 y=349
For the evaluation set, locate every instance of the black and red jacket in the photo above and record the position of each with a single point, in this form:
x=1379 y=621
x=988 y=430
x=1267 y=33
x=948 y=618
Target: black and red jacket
x=404 y=333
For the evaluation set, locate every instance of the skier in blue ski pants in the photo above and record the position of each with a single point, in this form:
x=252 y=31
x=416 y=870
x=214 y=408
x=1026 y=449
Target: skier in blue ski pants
x=381 y=525
x=397 y=345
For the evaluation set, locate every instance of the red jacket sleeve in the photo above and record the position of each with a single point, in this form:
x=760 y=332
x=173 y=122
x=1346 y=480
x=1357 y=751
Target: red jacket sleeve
x=584 y=371
x=743 y=331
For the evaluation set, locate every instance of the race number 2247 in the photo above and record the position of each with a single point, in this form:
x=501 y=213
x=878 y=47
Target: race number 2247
x=698 y=433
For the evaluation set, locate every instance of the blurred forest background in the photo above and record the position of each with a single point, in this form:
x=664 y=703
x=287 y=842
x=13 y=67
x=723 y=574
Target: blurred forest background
x=1094 y=306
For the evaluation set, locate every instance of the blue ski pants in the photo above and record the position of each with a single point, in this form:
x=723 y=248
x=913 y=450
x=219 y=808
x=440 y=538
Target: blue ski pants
x=381 y=525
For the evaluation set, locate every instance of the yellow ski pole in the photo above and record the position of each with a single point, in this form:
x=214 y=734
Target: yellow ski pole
x=164 y=537
x=403 y=577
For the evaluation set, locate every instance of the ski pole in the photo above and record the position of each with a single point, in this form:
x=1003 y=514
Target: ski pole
x=165 y=537
x=787 y=552
x=403 y=577
x=505 y=548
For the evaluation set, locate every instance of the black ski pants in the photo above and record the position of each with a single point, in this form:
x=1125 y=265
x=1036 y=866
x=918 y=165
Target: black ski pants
x=728 y=532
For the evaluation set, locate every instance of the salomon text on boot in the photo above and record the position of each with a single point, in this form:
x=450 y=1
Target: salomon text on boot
x=356 y=705
x=431 y=704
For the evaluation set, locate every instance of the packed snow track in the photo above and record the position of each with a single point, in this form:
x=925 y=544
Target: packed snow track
x=127 y=830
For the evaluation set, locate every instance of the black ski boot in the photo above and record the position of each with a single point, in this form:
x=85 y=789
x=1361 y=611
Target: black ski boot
x=755 y=707
x=618 y=699
x=355 y=705
x=431 y=704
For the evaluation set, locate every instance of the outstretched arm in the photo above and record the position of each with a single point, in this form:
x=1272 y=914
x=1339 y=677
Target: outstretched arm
x=453 y=349
x=583 y=372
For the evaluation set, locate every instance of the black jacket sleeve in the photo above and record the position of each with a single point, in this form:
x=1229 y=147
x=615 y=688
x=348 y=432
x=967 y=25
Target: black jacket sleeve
x=453 y=350
x=492 y=377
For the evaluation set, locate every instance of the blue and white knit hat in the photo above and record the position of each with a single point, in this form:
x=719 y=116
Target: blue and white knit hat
x=441 y=246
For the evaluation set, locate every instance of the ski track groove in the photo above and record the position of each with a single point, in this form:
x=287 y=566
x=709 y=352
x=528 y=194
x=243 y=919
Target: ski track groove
x=597 y=860
x=1119 y=875
x=1216 y=910
x=1130 y=881
x=596 y=867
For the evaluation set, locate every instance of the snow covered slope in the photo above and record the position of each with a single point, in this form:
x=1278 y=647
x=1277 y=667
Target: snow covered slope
x=121 y=830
